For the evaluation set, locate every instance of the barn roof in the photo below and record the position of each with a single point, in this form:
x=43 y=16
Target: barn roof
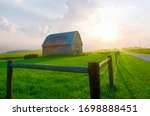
x=60 y=39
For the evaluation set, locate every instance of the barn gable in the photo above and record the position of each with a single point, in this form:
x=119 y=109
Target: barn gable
x=62 y=43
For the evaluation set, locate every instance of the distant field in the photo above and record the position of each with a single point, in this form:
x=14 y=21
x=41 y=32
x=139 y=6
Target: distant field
x=138 y=51
x=19 y=54
x=131 y=78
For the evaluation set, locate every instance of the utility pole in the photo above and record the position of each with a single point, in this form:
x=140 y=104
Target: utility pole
x=140 y=46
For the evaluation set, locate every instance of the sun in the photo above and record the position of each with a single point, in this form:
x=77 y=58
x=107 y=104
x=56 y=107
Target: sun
x=108 y=32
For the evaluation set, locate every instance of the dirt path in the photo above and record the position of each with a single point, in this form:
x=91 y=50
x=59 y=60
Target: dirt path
x=145 y=57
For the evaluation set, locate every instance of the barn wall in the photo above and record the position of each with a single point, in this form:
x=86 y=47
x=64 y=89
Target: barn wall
x=57 y=50
x=77 y=44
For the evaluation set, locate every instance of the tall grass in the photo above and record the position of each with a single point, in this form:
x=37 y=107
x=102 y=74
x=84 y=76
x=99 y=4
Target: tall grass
x=51 y=84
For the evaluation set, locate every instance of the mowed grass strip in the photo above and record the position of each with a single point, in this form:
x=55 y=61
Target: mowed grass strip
x=133 y=78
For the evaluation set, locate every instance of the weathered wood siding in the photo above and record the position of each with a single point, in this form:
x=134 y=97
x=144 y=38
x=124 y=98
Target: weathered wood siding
x=56 y=50
x=63 y=43
x=77 y=44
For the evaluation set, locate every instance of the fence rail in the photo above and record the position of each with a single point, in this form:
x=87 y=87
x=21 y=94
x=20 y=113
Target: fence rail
x=102 y=64
x=53 y=68
x=93 y=70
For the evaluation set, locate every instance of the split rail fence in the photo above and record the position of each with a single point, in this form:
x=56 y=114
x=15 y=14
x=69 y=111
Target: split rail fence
x=93 y=70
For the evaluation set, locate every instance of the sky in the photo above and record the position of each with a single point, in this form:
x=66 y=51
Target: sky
x=102 y=24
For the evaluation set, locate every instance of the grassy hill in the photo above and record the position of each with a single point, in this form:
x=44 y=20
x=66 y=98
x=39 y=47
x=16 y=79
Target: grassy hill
x=19 y=54
x=131 y=78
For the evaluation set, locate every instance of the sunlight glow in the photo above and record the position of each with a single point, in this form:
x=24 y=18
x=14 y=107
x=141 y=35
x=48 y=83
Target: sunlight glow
x=108 y=32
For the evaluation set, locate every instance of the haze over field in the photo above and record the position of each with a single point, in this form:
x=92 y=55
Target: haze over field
x=24 y=24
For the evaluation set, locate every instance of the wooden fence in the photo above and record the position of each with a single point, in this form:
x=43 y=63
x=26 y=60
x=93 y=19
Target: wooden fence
x=93 y=69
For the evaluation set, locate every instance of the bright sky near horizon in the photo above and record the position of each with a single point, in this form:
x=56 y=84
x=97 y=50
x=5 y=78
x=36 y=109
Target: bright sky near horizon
x=24 y=24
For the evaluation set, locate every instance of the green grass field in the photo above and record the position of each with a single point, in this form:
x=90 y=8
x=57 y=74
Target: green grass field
x=19 y=54
x=131 y=78
x=139 y=51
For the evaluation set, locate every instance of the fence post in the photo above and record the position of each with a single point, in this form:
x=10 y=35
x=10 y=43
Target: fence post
x=110 y=70
x=94 y=80
x=9 y=79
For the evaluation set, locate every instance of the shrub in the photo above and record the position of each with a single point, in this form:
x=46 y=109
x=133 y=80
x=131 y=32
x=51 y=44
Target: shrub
x=30 y=56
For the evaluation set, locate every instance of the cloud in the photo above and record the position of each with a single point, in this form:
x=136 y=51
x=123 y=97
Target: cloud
x=18 y=41
x=7 y=26
x=18 y=1
x=79 y=10
x=80 y=15
x=87 y=16
x=44 y=30
x=51 y=25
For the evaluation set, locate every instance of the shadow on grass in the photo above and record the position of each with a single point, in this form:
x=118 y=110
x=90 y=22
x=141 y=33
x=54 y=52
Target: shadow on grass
x=122 y=77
